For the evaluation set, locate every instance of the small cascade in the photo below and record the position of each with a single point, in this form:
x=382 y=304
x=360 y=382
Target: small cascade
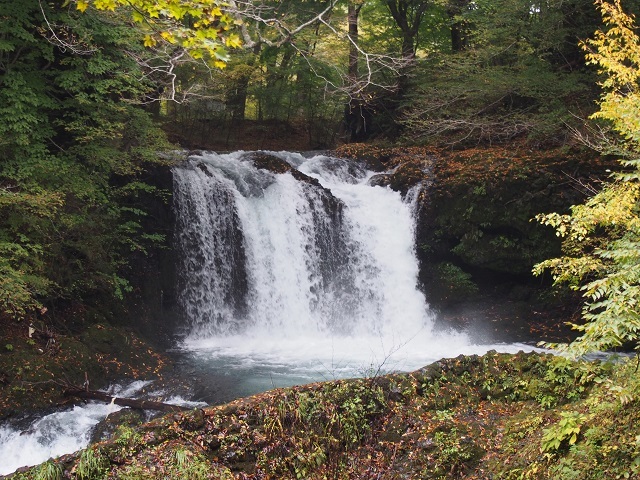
x=213 y=279
x=63 y=431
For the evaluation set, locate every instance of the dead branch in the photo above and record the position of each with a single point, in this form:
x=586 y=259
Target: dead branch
x=60 y=36
x=123 y=402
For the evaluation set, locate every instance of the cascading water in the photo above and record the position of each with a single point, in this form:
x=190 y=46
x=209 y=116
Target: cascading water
x=264 y=253
x=311 y=270
x=63 y=431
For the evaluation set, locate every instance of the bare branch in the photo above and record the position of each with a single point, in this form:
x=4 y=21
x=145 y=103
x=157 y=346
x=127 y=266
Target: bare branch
x=161 y=69
x=258 y=25
x=596 y=137
x=244 y=11
x=374 y=64
x=71 y=43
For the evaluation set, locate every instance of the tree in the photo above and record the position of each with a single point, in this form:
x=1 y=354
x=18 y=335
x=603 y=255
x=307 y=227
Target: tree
x=209 y=31
x=408 y=15
x=602 y=237
x=509 y=74
x=72 y=148
x=455 y=10
x=357 y=116
x=202 y=27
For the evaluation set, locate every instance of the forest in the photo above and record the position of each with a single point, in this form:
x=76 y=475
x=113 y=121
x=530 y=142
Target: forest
x=98 y=97
x=92 y=91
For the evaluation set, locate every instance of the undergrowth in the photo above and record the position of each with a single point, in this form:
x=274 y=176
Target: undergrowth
x=524 y=416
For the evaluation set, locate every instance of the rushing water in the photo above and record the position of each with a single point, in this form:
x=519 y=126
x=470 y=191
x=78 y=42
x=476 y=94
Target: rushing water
x=282 y=281
x=287 y=281
x=61 y=432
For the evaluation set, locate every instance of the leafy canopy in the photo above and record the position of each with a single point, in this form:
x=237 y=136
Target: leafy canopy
x=515 y=71
x=617 y=54
x=202 y=27
x=602 y=237
x=73 y=149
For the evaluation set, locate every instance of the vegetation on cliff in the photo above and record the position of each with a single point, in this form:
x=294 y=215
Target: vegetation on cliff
x=73 y=156
x=602 y=236
x=475 y=234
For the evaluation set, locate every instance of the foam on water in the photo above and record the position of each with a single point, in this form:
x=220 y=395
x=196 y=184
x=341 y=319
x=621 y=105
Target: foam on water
x=56 y=434
x=329 y=274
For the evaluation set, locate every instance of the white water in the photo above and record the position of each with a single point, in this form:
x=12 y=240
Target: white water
x=325 y=294
x=55 y=434
x=63 y=432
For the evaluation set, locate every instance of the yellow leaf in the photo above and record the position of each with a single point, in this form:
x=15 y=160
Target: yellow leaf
x=233 y=41
x=219 y=64
x=149 y=41
x=168 y=36
x=105 y=5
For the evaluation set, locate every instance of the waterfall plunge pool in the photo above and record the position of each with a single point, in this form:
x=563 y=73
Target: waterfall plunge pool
x=286 y=280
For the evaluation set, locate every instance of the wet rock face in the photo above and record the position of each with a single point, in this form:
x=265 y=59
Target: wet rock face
x=413 y=171
x=327 y=213
x=479 y=216
x=274 y=164
x=380 y=180
x=331 y=205
x=401 y=168
x=474 y=227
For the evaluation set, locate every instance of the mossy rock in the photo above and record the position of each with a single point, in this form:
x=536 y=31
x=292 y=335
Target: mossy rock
x=467 y=417
x=106 y=428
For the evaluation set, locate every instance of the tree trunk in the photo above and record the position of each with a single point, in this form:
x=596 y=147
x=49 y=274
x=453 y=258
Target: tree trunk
x=458 y=27
x=408 y=16
x=352 y=18
x=237 y=100
x=354 y=111
x=123 y=402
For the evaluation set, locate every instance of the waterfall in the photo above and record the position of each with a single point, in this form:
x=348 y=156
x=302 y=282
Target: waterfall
x=300 y=275
x=312 y=260
x=284 y=278
x=266 y=251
